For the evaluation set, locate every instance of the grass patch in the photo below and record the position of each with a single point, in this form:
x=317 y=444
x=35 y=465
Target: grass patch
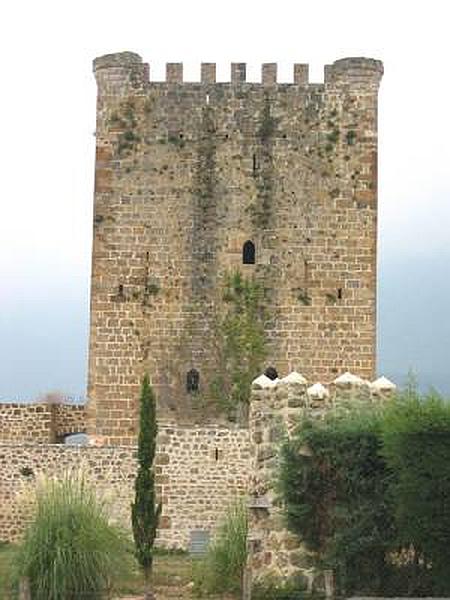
x=7 y=558
x=71 y=550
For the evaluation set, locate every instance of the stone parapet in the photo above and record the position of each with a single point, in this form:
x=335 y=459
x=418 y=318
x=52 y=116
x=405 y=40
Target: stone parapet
x=40 y=422
x=276 y=408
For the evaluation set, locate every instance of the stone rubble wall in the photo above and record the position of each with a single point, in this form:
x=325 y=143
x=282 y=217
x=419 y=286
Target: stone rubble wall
x=199 y=472
x=186 y=174
x=69 y=418
x=40 y=422
x=275 y=409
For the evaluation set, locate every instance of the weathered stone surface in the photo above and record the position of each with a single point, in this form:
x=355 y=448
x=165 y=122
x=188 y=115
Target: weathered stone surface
x=279 y=552
x=40 y=423
x=202 y=471
x=189 y=172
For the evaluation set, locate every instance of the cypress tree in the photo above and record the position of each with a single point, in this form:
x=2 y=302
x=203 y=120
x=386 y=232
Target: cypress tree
x=144 y=511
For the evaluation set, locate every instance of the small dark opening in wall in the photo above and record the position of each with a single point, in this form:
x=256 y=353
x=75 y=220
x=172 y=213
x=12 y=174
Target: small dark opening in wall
x=120 y=290
x=271 y=373
x=26 y=472
x=248 y=253
x=181 y=136
x=339 y=293
x=216 y=453
x=192 y=381
x=255 y=164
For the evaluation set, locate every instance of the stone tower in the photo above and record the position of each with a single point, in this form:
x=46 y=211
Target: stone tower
x=197 y=180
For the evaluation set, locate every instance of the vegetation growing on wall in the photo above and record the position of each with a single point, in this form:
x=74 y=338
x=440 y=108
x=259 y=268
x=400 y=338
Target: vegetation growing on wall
x=368 y=492
x=126 y=123
x=243 y=342
x=264 y=174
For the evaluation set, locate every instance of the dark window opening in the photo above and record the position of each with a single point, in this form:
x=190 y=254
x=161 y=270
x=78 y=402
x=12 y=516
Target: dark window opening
x=255 y=164
x=120 y=290
x=271 y=373
x=339 y=293
x=248 y=253
x=26 y=472
x=192 y=381
x=216 y=454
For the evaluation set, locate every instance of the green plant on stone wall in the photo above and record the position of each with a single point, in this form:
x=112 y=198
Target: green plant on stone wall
x=242 y=347
x=333 y=136
x=261 y=209
x=303 y=296
x=268 y=123
x=127 y=122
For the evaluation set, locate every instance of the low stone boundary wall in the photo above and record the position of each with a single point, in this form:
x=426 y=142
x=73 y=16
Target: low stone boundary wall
x=199 y=472
x=41 y=423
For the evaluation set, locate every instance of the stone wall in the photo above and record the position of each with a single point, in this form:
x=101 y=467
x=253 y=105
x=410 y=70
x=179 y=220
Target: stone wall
x=186 y=174
x=276 y=407
x=110 y=469
x=41 y=422
x=199 y=472
x=69 y=418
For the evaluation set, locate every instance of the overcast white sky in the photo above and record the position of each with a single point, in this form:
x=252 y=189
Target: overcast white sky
x=47 y=106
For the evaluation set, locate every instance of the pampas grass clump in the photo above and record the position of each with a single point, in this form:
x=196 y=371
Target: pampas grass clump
x=71 y=551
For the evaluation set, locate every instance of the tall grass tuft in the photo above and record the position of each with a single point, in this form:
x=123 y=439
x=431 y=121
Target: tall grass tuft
x=70 y=550
x=222 y=568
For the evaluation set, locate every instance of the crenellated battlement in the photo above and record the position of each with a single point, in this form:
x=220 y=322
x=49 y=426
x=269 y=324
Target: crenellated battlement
x=128 y=68
x=197 y=180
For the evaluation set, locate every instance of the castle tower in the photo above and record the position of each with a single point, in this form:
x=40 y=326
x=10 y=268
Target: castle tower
x=197 y=180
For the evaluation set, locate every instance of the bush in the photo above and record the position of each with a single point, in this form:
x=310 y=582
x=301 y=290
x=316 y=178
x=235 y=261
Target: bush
x=334 y=485
x=70 y=550
x=272 y=589
x=223 y=567
x=416 y=446
x=368 y=492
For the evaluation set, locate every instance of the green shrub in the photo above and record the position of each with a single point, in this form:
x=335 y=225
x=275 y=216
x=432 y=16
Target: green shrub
x=368 y=492
x=416 y=446
x=222 y=568
x=71 y=551
x=333 y=480
x=273 y=589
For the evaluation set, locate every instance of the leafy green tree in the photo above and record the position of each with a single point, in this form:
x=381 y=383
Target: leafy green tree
x=144 y=511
